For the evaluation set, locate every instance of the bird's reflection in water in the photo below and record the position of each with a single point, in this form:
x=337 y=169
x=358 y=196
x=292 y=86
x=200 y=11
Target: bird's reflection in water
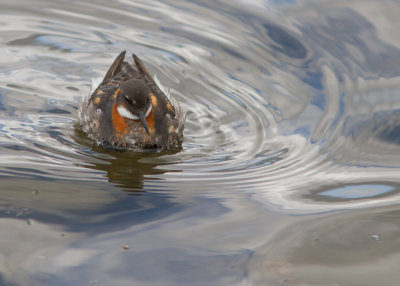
x=126 y=169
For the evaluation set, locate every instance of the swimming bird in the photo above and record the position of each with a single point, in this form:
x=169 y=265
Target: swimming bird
x=129 y=111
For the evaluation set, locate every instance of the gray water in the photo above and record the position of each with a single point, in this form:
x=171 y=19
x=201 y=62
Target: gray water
x=289 y=169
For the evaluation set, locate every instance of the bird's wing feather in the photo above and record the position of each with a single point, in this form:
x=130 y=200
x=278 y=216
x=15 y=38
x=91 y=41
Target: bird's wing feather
x=115 y=67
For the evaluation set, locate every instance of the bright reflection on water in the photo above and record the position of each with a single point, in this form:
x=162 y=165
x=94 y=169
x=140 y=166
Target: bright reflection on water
x=289 y=169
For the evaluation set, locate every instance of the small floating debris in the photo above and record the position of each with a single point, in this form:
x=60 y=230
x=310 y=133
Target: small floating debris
x=125 y=247
x=376 y=237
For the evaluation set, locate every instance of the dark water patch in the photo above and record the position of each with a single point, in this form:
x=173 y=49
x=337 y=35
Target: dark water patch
x=57 y=111
x=285 y=43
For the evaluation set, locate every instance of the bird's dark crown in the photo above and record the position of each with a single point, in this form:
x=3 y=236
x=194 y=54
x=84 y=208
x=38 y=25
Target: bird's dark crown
x=136 y=93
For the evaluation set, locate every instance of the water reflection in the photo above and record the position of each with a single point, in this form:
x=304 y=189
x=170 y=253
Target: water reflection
x=357 y=191
x=374 y=137
x=127 y=169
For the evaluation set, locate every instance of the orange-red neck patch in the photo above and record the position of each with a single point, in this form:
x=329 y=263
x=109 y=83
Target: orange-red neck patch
x=120 y=123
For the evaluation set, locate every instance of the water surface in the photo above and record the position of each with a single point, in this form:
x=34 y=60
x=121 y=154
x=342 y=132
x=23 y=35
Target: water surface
x=289 y=169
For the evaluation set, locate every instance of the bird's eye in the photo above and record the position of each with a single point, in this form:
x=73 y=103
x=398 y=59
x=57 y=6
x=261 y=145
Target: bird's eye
x=127 y=98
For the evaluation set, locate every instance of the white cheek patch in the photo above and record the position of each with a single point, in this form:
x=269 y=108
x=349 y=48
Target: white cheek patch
x=126 y=113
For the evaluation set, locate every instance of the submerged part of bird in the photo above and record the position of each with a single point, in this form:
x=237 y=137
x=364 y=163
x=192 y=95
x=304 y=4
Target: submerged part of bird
x=128 y=110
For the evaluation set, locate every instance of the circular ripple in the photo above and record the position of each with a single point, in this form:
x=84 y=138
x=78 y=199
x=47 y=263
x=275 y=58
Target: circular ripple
x=280 y=111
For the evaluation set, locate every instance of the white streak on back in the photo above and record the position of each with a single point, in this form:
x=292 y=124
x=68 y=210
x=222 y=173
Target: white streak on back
x=163 y=89
x=148 y=111
x=95 y=83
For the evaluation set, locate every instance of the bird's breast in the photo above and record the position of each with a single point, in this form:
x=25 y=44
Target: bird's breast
x=120 y=124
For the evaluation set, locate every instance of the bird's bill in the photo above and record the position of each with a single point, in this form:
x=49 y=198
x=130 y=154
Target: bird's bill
x=142 y=118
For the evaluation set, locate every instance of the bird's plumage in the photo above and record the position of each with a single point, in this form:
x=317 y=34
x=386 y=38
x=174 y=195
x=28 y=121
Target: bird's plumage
x=129 y=111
